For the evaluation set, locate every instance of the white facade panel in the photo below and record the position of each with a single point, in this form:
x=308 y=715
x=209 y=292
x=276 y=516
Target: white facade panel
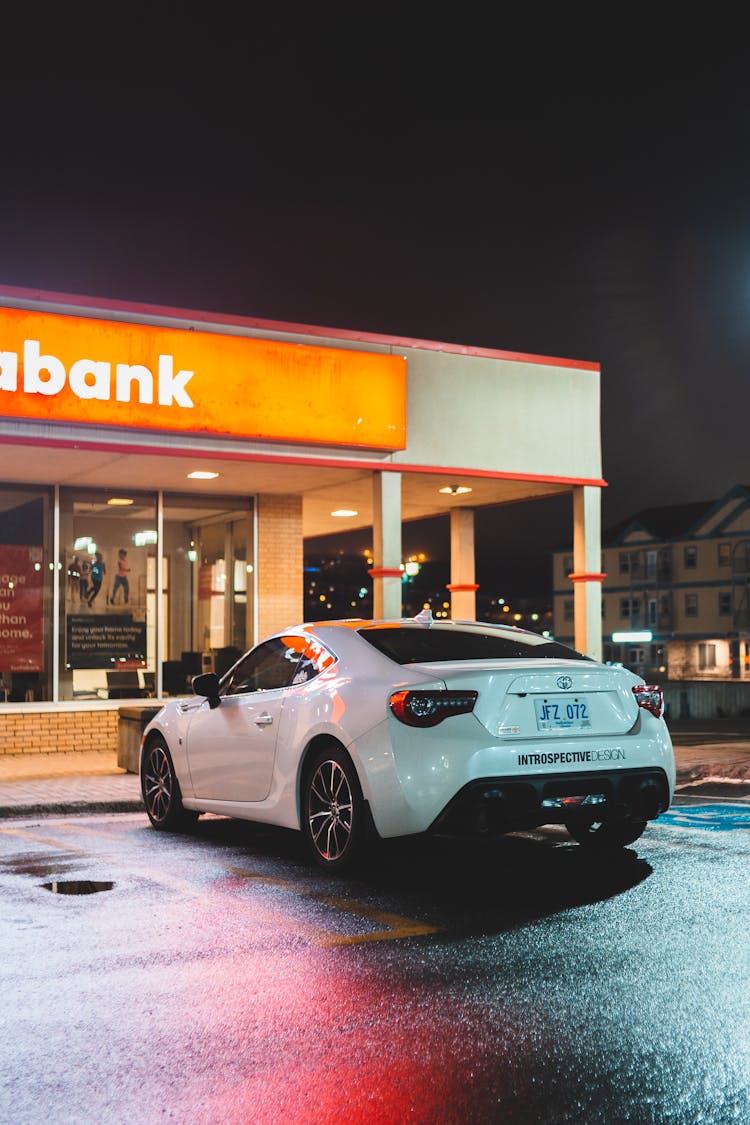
x=499 y=415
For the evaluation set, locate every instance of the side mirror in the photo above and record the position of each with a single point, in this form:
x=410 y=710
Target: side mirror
x=207 y=684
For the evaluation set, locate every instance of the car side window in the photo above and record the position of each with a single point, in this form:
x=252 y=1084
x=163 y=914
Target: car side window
x=315 y=659
x=270 y=665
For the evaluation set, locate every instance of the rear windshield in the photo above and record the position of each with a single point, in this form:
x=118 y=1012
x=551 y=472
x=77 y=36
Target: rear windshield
x=417 y=644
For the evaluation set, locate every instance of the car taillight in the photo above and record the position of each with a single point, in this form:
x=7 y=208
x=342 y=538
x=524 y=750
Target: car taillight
x=428 y=708
x=650 y=697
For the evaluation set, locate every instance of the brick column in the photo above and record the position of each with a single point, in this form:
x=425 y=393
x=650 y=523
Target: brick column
x=280 y=563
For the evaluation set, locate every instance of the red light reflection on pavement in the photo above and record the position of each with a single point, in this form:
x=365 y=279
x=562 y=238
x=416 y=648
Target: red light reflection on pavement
x=330 y=1049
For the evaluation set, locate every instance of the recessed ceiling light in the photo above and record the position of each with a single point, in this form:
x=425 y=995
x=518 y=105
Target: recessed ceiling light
x=455 y=489
x=119 y=501
x=202 y=474
x=342 y=512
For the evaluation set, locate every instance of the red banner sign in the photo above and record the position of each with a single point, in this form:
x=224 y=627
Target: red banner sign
x=21 y=609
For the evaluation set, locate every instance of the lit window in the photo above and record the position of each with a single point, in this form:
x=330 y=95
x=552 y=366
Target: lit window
x=725 y=554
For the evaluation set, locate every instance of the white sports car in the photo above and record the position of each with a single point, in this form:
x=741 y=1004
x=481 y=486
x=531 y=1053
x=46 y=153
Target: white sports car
x=345 y=729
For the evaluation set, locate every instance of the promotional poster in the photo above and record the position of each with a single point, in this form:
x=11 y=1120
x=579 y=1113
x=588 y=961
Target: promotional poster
x=105 y=607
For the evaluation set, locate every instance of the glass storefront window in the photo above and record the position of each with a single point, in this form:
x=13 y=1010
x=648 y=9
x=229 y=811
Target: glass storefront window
x=26 y=582
x=114 y=642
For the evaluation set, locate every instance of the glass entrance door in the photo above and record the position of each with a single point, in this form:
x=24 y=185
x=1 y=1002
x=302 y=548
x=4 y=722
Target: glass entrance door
x=208 y=547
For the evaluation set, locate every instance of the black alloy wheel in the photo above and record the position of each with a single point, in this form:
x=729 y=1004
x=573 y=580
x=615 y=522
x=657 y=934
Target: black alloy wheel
x=161 y=789
x=617 y=832
x=333 y=810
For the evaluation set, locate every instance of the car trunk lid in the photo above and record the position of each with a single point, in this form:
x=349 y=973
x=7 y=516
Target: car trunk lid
x=543 y=699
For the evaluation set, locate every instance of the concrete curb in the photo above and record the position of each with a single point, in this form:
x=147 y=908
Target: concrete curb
x=68 y=808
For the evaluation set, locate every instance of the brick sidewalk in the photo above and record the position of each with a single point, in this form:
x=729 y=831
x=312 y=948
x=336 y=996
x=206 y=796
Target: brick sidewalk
x=90 y=781
x=85 y=763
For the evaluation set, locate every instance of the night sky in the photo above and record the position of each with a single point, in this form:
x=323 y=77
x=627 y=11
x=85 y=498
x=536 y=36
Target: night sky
x=576 y=190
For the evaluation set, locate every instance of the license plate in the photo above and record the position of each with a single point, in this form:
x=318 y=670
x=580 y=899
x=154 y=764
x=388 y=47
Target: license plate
x=561 y=712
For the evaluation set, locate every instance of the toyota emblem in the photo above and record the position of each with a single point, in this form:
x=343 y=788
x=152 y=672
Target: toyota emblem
x=564 y=682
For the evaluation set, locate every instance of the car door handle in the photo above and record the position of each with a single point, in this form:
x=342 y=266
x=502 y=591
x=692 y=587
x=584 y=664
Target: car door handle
x=264 y=720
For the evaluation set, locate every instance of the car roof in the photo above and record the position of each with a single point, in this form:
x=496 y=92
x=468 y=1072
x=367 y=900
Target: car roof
x=355 y=624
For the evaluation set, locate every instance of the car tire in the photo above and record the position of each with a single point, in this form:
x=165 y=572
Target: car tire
x=616 y=832
x=333 y=810
x=161 y=789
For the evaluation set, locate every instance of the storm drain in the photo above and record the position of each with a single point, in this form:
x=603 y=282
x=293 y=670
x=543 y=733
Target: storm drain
x=76 y=887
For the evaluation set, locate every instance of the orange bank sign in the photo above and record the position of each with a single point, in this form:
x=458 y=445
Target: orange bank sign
x=74 y=369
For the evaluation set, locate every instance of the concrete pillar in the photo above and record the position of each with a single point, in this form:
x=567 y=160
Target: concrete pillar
x=386 y=545
x=280 y=563
x=587 y=574
x=463 y=588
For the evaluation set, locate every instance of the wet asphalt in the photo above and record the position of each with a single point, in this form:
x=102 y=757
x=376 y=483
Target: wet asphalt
x=221 y=978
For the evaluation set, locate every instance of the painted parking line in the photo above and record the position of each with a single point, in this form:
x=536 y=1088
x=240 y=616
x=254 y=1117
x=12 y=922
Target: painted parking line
x=710 y=818
x=393 y=927
x=37 y=839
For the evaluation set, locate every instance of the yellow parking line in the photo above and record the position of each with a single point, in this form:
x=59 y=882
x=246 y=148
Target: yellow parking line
x=89 y=831
x=39 y=839
x=77 y=828
x=245 y=873
x=393 y=926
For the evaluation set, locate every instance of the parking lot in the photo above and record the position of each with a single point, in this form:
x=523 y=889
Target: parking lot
x=219 y=977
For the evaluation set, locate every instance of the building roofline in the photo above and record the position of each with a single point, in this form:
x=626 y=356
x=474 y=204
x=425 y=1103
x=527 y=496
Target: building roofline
x=102 y=304
x=615 y=536
x=739 y=491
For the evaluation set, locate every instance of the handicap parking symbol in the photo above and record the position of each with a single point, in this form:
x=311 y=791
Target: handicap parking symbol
x=711 y=818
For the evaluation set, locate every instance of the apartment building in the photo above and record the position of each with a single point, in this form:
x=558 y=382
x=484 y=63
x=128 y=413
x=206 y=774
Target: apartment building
x=676 y=591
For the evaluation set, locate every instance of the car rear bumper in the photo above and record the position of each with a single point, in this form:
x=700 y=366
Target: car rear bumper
x=507 y=804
